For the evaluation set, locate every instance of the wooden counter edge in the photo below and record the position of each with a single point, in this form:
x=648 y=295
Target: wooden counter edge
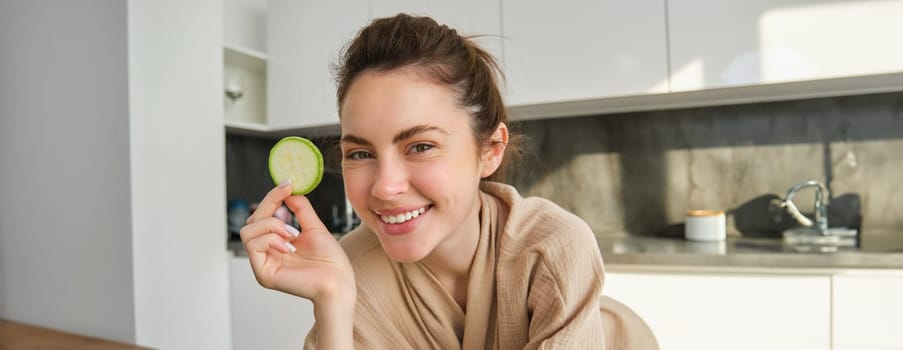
x=19 y=336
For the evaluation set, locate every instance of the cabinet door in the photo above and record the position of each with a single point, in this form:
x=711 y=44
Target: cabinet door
x=305 y=38
x=868 y=312
x=714 y=311
x=263 y=318
x=581 y=49
x=468 y=17
x=745 y=42
x=244 y=24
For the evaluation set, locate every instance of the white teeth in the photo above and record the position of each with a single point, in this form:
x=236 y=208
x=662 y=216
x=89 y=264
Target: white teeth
x=400 y=218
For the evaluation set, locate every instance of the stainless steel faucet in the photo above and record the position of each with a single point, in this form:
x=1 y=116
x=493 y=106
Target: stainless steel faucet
x=821 y=200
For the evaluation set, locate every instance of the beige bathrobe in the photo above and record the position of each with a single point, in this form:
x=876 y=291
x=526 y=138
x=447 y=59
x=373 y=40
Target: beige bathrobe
x=535 y=283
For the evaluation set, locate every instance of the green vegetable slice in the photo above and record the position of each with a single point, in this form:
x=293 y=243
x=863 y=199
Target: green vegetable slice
x=298 y=159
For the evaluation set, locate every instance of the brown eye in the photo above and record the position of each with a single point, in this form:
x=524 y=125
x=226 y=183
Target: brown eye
x=421 y=147
x=358 y=155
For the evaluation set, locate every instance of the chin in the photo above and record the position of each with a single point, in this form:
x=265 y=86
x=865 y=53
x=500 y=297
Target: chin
x=404 y=254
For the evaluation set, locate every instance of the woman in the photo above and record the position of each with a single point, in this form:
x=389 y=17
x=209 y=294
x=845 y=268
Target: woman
x=444 y=257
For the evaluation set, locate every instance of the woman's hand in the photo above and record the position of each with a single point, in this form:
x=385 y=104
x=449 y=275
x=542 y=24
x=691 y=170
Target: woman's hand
x=311 y=265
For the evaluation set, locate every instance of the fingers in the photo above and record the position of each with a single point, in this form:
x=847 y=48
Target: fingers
x=259 y=251
x=271 y=202
x=305 y=213
x=268 y=241
x=268 y=225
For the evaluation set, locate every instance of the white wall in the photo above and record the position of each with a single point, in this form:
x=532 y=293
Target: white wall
x=178 y=173
x=65 y=228
x=112 y=190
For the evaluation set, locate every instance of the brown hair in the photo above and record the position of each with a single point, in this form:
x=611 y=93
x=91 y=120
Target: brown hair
x=440 y=54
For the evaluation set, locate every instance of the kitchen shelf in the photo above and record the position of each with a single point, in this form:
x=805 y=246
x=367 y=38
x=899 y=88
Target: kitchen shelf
x=245 y=78
x=234 y=127
x=245 y=57
x=246 y=128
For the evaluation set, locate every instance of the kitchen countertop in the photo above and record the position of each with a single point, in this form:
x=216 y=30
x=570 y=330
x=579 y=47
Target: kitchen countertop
x=875 y=251
x=882 y=251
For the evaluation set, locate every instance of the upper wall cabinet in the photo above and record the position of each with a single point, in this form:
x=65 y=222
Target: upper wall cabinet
x=581 y=49
x=585 y=57
x=305 y=38
x=244 y=24
x=468 y=17
x=748 y=42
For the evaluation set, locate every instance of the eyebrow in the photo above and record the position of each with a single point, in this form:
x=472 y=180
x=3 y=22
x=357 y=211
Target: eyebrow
x=401 y=136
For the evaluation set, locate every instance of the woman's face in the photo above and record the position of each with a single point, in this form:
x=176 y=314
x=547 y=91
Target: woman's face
x=411 y=164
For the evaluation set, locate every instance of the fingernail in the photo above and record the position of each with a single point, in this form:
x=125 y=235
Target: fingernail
x=291 y=229
x=286 y=183
x=289 y=246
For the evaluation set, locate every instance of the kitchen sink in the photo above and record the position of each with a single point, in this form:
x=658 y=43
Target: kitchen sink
x=811 y=239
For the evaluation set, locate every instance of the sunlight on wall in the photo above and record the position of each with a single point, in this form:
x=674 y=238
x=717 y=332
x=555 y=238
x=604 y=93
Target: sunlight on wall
x=689 y=77
x=663 y=86
x=781 y=64
x=831 y=39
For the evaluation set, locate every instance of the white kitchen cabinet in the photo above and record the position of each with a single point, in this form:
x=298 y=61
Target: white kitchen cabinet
x=244 y=24
x=468 y=17
x=582 y=57
x=729 y=311
x=305 y=38
x=868 y=312
x=264 y=318
x=581 y=49
x=747 y=42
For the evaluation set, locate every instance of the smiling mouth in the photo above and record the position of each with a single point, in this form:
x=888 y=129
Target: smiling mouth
x=403 y=217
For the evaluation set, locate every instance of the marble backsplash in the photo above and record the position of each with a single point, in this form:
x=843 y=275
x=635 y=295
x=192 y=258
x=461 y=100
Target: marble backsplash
x=638 y=173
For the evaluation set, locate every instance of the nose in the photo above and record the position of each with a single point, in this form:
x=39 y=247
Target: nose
x=391 y=179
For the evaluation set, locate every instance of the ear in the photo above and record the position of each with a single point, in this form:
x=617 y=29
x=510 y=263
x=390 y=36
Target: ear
x=491 y=158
